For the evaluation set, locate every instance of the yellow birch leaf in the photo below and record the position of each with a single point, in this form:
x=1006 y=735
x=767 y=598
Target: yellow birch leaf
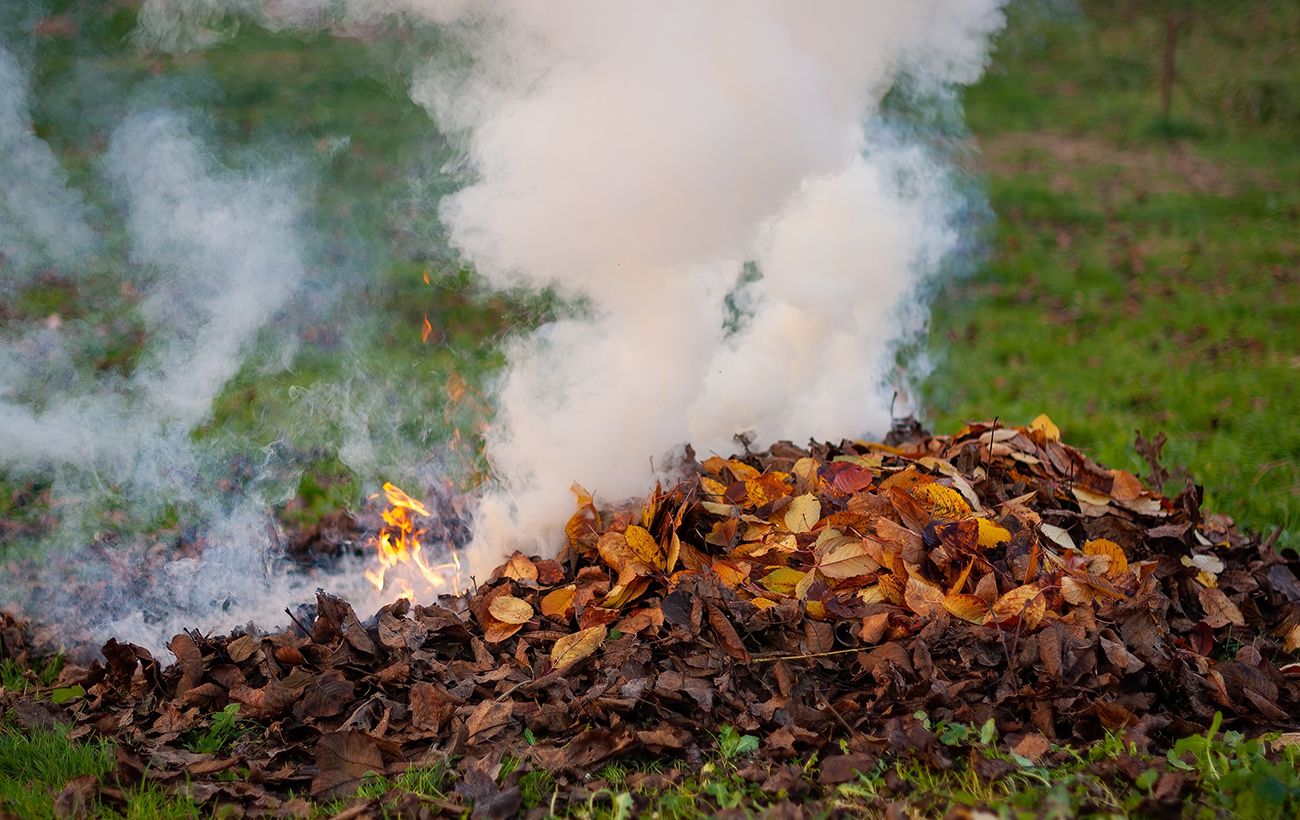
x=712 y=487
x=570 y=649
x=763 y=603
x=991 y=534
x=643 y=545
x=803 y=513
x=511 y=610
x=781 y=580
x=674 y=552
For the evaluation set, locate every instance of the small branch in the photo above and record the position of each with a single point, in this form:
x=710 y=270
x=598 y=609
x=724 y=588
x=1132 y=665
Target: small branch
x=806 y=657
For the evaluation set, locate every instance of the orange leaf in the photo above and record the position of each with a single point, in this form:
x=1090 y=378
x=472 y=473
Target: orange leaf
x=967 y=607
x=1117 y=562
x=558 y=603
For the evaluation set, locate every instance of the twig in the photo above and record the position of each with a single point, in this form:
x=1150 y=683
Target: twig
x=805 y=657
x=306 y=633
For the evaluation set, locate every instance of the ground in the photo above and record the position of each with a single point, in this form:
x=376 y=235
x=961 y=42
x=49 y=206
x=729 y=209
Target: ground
x=1141 y=275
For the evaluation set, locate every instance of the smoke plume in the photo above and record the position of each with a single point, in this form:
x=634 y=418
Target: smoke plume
x=740 y=233
x=637 y=157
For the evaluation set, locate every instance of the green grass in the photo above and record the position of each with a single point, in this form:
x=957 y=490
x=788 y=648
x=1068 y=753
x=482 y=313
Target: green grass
x=1136 y=282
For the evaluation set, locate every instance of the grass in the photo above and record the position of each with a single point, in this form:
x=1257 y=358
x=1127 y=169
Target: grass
x=1138 y=282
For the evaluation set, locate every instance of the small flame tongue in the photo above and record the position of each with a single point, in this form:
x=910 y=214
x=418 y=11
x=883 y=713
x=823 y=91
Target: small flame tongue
x=400 y=555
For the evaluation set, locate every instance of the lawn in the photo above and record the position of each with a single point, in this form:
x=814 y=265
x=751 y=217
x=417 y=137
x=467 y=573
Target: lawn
x=1141 y=275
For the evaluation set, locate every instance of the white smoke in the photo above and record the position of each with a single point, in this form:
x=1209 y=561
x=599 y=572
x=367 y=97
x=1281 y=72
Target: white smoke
x=41 y=220
x=636 y=156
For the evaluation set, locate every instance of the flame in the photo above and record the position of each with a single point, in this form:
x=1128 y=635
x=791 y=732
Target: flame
x=398 y=548
x=426 y=330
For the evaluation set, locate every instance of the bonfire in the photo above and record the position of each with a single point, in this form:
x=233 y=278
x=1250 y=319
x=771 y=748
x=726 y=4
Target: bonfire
x=837 y=600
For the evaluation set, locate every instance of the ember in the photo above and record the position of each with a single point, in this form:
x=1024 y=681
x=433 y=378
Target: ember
x=398 y=548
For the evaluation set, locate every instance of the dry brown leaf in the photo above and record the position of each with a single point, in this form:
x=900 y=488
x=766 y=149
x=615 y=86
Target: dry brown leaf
x=922 y=598
x=1219 y=610
x=571 y=649
x=1027 y=603
x=511 y=610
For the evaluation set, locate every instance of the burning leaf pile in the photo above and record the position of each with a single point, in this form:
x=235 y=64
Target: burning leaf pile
x=815 y=598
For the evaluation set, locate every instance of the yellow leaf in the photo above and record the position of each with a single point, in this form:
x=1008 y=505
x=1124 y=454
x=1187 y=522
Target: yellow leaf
x=629 y=588
x=643 y=545
x=1076 y=592
x=511 y=610
x=570 y=649
x=674 y=552
x=1117 y=561
x=967 y=607
x=992 y=535
x=519 y=568
x=871 y=595
x=891 y=587
x=781 y=580
x=922 y=598
x=1042 y=424
x=731 y=574
x=803 y=513
x=712 y=487
x=741 y=470
x=763 y=603
x=941 y=502
x=816 y=610
x=558 y=603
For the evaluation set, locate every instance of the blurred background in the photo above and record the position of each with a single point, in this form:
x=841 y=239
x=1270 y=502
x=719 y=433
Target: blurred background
x=1139 y=272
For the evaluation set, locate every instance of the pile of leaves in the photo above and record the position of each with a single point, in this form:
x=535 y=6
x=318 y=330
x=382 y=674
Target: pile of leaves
x=815 y=598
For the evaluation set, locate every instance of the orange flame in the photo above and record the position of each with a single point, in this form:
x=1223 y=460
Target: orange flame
x=398 y=549
x=426 y=330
